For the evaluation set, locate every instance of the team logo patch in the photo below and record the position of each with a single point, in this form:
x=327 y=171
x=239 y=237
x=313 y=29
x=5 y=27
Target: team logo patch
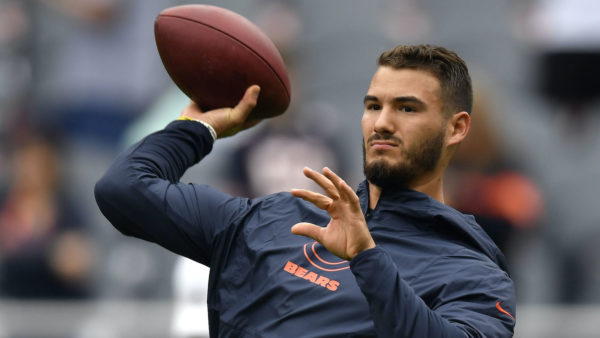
x=318 y=257
x=311 y=276
x=311 y=252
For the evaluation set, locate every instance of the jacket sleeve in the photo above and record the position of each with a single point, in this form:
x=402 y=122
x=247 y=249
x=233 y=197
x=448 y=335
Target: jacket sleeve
x=463 y=305
x=141 y=195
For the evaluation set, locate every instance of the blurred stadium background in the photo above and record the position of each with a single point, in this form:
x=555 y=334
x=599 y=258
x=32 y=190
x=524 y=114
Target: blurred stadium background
x=81 y=79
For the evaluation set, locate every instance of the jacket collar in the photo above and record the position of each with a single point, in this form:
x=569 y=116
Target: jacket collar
x=390 y=197
x=422 y=205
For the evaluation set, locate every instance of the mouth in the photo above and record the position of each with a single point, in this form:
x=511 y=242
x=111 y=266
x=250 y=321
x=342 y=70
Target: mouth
x=383 y=145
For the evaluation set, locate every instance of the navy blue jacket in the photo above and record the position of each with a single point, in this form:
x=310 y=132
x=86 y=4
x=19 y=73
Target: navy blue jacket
x=433 y=273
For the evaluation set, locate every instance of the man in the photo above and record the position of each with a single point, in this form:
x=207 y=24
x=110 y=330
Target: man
x=390 y=260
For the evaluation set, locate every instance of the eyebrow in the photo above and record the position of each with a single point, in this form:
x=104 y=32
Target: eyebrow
x=370 y=98
x=399 y=99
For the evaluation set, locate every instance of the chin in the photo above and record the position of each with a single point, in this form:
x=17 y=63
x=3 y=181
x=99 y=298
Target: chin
x=383 y=160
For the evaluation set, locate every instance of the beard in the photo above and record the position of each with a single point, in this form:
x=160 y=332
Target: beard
x=420 y=159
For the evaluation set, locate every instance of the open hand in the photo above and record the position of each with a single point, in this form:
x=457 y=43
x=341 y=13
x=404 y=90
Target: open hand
x=347 y=233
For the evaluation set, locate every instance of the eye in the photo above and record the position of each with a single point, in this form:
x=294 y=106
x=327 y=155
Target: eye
x=373 y=106
x=407 y=109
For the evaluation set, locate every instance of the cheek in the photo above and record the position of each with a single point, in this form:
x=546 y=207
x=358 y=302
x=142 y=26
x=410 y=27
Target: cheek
x=422 y=131
x=367 y=126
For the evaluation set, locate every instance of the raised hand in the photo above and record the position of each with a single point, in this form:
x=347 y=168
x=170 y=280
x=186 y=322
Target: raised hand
x=227 y=121
x=347 y=233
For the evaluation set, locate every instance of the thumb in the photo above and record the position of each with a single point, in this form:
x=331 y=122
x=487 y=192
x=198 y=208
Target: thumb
x=308 y=230
x=247 y=103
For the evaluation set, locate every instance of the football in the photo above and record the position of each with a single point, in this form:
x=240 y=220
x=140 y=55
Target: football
x=213 y=54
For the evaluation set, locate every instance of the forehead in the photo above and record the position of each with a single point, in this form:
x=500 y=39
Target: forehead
x=389 y=83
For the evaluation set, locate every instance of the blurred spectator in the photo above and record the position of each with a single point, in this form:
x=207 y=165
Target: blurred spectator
x=563 y=145
x=565 y=35
x=272 y=161
x=488 y=183
x=99 y=68
x=96 y=69
x=15 y=61
x=405 y=20
x=44 y=249
x=281 y=22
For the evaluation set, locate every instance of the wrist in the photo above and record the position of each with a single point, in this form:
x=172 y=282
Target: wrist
x=210 y=128
x=369 y=246
x=365 y=253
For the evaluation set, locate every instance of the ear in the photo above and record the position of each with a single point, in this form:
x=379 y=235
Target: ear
x=458 y=127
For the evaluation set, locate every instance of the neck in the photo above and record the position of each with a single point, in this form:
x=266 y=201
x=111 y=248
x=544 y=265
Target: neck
x=431 y=185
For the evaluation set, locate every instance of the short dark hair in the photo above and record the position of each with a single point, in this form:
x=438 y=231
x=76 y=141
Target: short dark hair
x=446 y=65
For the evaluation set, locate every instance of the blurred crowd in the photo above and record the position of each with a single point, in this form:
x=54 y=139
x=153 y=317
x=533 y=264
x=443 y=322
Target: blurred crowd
x=81 y=79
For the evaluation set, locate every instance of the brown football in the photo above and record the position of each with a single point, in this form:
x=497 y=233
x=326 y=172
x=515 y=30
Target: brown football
x=213 y=54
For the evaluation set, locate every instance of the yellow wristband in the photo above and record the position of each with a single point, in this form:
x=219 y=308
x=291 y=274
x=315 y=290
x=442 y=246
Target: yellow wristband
x=212 y=131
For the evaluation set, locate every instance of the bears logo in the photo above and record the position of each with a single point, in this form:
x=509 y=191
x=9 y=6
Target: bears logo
x=311 y=252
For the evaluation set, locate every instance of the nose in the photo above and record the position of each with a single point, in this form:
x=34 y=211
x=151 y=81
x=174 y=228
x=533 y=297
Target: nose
x=384 y=124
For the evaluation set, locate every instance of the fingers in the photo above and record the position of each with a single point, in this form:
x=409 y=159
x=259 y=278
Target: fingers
x=246 y=104
x=308 y=230
x=345 y=191
x=334 y=186
x=320 y=201
x=323 y=182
